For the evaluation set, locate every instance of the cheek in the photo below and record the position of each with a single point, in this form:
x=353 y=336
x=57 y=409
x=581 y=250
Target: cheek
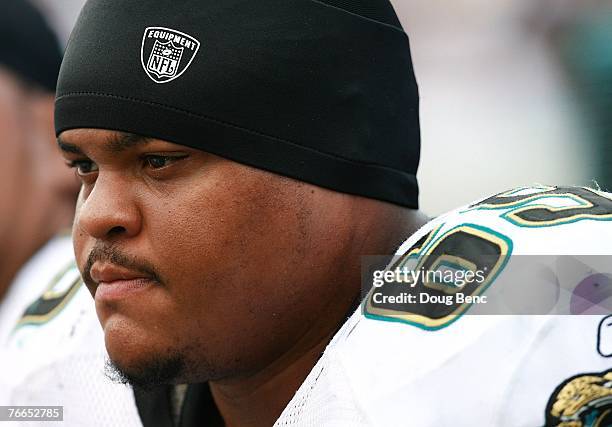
x=197 y=241
x=230 y=263
x=199 y=231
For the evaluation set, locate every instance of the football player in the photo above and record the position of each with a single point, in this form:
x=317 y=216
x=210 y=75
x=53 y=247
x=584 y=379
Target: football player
x=51 y=349
x=237 y=159
x=37 y=192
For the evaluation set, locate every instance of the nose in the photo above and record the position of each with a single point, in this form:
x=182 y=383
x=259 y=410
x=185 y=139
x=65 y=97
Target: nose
x=109 y=211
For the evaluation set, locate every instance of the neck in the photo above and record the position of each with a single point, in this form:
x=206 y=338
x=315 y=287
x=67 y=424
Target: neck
x=259 y=399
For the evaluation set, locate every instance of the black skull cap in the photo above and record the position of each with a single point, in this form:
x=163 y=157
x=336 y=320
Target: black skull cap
x=319 y=91
x=28 y=46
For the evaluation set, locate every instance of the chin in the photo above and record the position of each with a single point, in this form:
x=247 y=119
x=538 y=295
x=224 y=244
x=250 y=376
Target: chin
x=142 y=365
x=134 y=350
x=145 y=358
x=147 y=374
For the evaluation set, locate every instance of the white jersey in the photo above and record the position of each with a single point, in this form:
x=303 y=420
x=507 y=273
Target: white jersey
x=55 y=357
x=457 y=369
x=27 y=286
x=30 y=282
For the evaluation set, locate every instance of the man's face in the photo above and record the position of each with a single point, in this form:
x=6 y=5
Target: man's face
x=57 y=185
x=14 y=163
x=36 y=189
x=201 y=268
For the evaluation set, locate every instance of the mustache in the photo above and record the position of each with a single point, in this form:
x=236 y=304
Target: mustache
x=110 y=254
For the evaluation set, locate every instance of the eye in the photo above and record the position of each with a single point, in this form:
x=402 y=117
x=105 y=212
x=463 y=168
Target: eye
x=83 y=167
x=160 y=162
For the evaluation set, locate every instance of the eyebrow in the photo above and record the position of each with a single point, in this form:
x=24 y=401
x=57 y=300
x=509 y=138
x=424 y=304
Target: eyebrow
x=125 y=141
x=117 y=144
x=68 y=148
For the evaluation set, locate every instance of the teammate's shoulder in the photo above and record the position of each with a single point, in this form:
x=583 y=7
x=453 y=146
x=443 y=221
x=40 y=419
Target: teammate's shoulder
x=61 y=311
x=60 y=291
x=32 y=279
x=537 y=219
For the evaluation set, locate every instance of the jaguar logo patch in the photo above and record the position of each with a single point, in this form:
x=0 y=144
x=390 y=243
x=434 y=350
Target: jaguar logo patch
x=582 y=401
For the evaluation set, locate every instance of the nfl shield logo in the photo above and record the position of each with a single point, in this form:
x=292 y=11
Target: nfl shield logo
x=166 y=53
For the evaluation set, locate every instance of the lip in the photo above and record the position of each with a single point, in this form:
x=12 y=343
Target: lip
x=121 y=289
x=115 y=283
